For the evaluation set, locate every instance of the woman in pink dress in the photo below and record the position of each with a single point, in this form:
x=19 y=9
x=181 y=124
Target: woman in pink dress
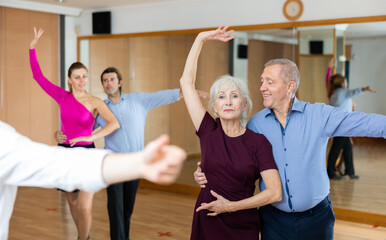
x=78 y=110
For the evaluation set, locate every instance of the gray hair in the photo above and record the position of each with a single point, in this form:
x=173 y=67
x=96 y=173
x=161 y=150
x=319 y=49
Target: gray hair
x=226 y=82
x=289 y=72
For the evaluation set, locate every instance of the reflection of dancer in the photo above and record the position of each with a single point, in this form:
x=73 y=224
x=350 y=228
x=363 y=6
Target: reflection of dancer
x=131 y=111
x=299 y=132
x=77 y=109
x=233 y=157
x=27 y=163
x=341 y=97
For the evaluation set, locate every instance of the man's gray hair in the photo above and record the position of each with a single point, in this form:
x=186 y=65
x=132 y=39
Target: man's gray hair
x=289 y=72
x=226 y=82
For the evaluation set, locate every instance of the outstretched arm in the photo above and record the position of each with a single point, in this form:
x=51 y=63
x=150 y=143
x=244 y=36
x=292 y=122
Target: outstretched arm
x=188 y=79
x=158 y=163
x=27 y=163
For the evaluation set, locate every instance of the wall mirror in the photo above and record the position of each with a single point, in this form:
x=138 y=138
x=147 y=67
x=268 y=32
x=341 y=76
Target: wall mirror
x=152 y=62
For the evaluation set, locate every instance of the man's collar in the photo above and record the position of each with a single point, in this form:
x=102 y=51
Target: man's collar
x=296 y=106
x=107 y=100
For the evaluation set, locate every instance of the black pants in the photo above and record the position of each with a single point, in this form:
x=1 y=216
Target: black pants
x=120 y=205
x=338 y=144
x=316 y=223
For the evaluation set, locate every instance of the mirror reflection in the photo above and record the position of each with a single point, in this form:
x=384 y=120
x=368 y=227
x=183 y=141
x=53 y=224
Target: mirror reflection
x=155 y=63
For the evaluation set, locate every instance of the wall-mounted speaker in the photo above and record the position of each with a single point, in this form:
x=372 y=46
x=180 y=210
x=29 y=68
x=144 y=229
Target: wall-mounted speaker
x=316 y=47
x=242 y=51
x=101 y=22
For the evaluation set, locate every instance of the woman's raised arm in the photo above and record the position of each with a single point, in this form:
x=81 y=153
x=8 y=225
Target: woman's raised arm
x=188 y=79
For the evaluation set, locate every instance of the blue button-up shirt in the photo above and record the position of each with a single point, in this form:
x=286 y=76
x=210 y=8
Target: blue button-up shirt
x=299 y=149
x=131 y=111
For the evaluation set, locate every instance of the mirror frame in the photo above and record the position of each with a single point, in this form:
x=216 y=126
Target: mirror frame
x=340 y=213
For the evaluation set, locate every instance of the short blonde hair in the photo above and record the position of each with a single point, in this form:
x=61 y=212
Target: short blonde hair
x=226 y=82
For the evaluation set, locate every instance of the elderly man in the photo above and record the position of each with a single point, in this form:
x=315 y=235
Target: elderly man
x=299 y=132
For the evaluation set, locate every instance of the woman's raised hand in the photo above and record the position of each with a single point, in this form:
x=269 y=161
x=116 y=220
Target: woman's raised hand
x=220 y=34
x=38 y=34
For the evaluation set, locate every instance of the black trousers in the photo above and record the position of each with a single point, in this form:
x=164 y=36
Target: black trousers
x=338 y=144
x=316 y=223
x=120 y=205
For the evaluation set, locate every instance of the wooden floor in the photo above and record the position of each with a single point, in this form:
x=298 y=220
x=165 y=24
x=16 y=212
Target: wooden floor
x=367 y=194
x=43 y=213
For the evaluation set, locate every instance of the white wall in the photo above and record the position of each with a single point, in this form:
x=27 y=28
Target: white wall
x=367 y=68
x=69 y=44
x=191 y=14
x=240 y=66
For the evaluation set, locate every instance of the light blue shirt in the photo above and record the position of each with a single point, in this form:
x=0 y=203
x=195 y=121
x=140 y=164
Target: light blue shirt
x=299 y=149
x=131 y=111
x=342 y=98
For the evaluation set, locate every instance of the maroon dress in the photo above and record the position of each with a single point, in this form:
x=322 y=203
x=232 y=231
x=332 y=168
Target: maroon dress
x=231 y=165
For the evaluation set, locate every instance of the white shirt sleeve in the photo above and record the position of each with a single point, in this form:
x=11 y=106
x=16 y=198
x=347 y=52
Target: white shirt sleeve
x=27 y=163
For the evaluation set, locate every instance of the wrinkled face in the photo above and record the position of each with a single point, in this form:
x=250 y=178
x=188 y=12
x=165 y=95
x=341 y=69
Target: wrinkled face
x=273 y=88
x=79 y=79
x=111 y=83
x=229 y=104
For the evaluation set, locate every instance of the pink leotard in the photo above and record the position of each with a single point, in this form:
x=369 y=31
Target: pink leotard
x=76 y=119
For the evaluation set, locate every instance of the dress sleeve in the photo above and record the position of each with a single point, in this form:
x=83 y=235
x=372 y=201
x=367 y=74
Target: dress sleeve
x=207 y=124
x=27 y=163
x=264 y=155
x=51 y=89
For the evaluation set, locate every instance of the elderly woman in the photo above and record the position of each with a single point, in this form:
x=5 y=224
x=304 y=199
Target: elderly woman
x=233 y=157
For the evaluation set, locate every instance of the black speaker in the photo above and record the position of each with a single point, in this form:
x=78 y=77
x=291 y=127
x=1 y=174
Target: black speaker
x=242 y=51
x=316 y=47
x=101 y=22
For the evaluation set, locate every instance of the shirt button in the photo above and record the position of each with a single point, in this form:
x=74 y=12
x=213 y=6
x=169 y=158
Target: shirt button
x=290 y=196
x=286 y=164
x=287 y=180
x=285 y=149
x=293 y=210
x=283 y=133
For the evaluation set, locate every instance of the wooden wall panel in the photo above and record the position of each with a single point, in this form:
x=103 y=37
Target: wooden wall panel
x=313 y=78
x=259 y=52
x=28 y=108
x=150 y=58
x=104 y=53
x=44 y=110
x=182 y=130
x=2 y=80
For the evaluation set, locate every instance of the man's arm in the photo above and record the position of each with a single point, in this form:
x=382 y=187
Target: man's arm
x=27 y=163
x=337 y=122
